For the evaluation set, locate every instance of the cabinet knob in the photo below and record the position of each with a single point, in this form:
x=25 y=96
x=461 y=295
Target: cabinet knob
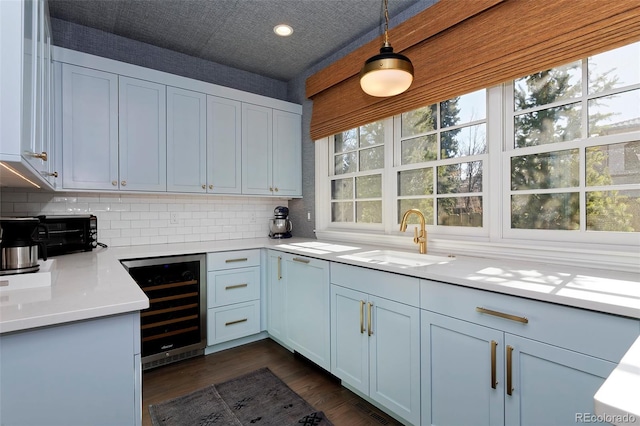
x=123 y=183
x=42 y=155
x=275 y=189
x=54 y=174
x=204 y=186
x=114 y=182
x=210 y=186
x=271 y=189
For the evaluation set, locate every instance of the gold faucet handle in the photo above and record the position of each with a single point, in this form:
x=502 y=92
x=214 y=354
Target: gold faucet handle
x=416 y=238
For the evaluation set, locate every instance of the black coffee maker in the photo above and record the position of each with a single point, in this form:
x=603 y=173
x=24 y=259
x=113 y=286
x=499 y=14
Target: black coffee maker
x=20 y=240
x=280 y=226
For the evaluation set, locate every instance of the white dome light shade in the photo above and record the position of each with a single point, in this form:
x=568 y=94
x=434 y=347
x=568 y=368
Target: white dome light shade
x=386 y=74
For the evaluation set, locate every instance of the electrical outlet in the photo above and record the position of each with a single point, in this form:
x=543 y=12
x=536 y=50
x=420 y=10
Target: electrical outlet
x=308 y=216
x=173 y=218
x=252 y=217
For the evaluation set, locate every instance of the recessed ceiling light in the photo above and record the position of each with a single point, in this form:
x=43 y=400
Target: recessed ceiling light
x=283 y=30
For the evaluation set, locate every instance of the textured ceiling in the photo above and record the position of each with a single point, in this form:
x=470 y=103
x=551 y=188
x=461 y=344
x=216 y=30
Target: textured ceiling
x=238 y=33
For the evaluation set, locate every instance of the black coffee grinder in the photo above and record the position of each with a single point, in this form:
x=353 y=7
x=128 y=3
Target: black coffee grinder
x=19 y=244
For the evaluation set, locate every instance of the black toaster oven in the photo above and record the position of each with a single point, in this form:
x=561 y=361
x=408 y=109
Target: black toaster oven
x=69 y=234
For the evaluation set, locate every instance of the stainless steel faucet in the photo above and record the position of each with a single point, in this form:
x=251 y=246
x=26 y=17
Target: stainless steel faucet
x=418 y=238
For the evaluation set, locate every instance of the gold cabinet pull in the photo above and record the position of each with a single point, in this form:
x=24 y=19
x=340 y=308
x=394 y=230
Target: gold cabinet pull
x=275 y=189
x=362 y=317
x=231 y=287
x=279 y=268
x=509 y=370
x=523 y=320
x=42 y=156
x=494 y=382
x=210 y=186
x=123 y=183
x=301 y=260
x=114 y=182
x=226 y=324
x=54 y=174
x=240 y=259
x=204 y=186
x=370 y=329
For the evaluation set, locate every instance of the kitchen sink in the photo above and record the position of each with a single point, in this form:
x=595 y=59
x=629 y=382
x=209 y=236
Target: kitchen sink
x=400 y=259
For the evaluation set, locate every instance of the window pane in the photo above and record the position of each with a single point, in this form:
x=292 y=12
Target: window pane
x=460 y=178
x=342 y=212
x=346 y=141
x=549 y=125
x=615 y=114
x=369 y=186
x=460 y=211
x=415 y=182
x=546 y=211
x=548 y=86
x=419 y=121
x=369 y=211
x=345 y=163
x=342 y=189
x=419 y=150
x=558 y=169
x=616 y=68
x=372 y=134
x=425 y=205
x=471 y=140
x=613 y=164
x=463 y=109
x=617 y=211
x=372 y=158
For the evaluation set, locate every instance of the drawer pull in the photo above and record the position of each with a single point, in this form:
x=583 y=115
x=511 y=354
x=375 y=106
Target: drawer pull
x=231 y=287
x=523 y=320
x=494 y=382
x=240 y=259
x=301 y=260
x=509 y=370
x=226 y=324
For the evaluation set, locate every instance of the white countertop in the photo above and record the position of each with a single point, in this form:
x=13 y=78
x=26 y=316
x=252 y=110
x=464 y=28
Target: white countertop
x=95 y=284
x=617 y=401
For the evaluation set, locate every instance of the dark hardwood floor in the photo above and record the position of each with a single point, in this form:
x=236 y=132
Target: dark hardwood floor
x=319 y=388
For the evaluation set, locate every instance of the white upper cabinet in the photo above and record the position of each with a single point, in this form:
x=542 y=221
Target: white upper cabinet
x=143 y=137
x=25 y=78
x=89 y=129
x=287 y=153
x=186 y=140
x=224 y=130
x=271 y=152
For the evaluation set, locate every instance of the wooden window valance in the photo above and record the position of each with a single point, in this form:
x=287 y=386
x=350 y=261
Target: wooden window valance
x=458 y=46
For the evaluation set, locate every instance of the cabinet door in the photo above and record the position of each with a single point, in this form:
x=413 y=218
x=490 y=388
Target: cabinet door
x=89 y=128
x=349 y=339
x=306 y=308
x=30 y=79
x=275 y=296
x=143 y=135
x=550 y=385
x=457 y=363
x=394 y=357
x=287 y=153
x=224 y=146
x=186 y=140
x=257 y=150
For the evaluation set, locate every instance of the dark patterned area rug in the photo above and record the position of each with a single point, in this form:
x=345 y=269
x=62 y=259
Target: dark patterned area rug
x=258 y=398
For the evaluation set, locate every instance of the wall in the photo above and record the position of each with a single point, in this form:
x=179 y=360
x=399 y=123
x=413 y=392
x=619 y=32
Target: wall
x=137 y=219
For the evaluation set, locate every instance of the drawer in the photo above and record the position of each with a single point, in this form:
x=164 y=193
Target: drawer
x=399 y=288
x=233 y=322
x=233 y=259
x=232 y=286
x=593 y=333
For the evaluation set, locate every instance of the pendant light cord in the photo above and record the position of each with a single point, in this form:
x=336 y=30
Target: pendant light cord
x=386 y=23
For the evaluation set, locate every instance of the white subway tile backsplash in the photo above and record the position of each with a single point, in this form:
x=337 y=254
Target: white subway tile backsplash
x=139 y=219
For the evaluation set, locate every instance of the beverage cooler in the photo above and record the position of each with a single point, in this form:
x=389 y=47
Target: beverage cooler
x=174 y=326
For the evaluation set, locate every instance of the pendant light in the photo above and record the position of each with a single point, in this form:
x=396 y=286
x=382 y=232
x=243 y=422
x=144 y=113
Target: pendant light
x=386 y=74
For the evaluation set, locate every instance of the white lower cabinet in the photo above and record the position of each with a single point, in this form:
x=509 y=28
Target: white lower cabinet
x=513 y=361
x=298 y=305
x=375 y=341
x=233 y=295
x=80 y=373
